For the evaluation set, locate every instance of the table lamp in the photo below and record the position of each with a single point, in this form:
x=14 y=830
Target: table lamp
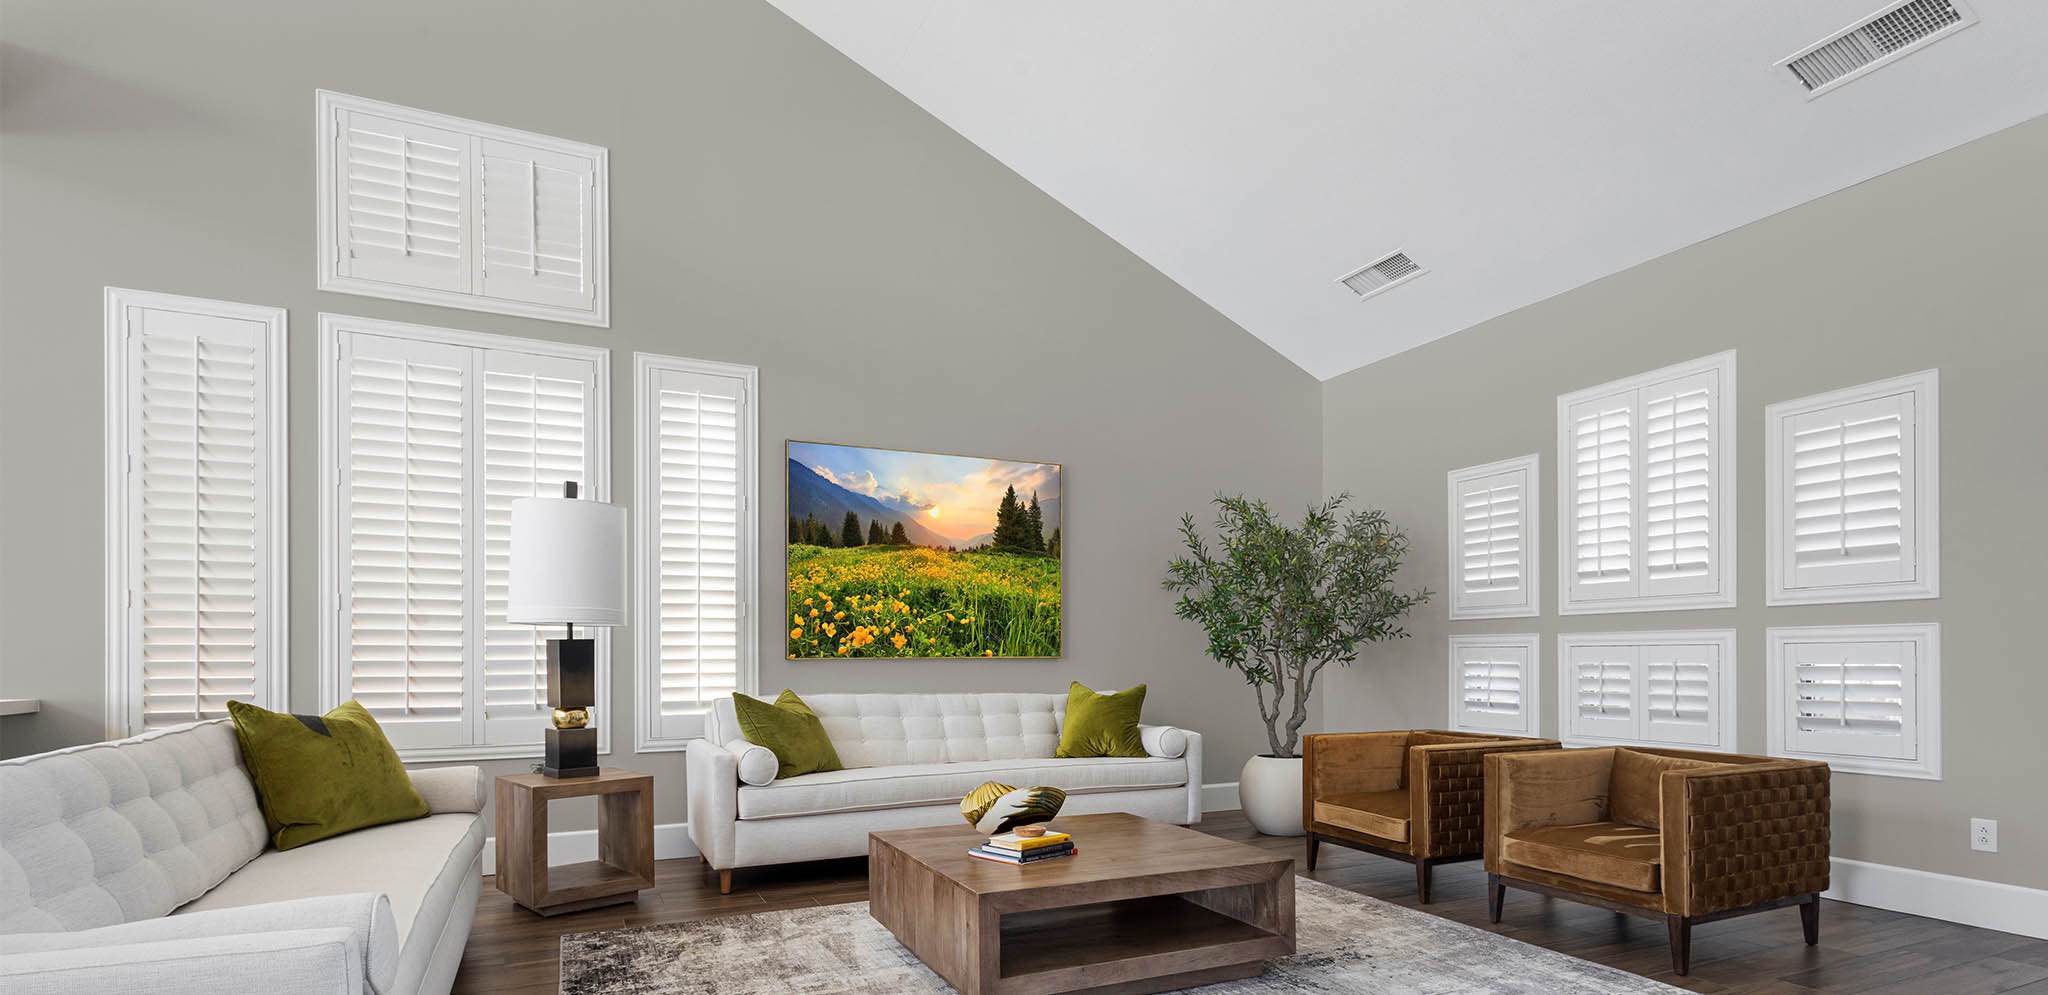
x=568 y=569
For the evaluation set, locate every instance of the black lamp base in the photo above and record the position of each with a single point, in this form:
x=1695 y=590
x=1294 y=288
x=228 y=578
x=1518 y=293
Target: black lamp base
x=570 y=753
x=572 y=684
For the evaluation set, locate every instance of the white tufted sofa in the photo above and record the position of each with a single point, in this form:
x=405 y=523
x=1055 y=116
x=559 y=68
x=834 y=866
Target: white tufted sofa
x=909 y=758
x=142 y=865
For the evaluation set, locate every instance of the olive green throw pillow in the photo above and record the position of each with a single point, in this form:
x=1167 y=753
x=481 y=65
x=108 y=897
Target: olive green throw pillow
x=1101 y=724
x=790 y=730
x=324 y=775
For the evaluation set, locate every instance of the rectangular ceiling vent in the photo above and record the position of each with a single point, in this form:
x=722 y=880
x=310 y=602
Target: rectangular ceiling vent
x=1382 y=275
x=1879 y=39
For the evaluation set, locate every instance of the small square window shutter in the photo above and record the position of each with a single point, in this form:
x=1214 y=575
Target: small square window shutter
x=1491 y=680
x=1492 y=534
x=1851 y=520
x=1680 y=694
x=403 y=216
x=199 y=513
x=1853 y=698
x=1603 y=691
x=698 y=495
x=537 y=231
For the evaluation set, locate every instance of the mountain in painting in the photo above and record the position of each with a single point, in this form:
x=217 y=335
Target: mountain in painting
x=814 y=496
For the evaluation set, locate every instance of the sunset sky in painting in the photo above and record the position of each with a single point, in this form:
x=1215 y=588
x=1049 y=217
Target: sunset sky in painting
x=955 y=496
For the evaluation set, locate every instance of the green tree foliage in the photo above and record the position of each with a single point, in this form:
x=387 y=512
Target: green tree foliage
x=876 y=536
x=1013 y=525
x=811 y=528
x=898 y=537
x=1035 y=526
x=849 y=532
x=796 y=531
x=1052 y=546
x=1281 y=603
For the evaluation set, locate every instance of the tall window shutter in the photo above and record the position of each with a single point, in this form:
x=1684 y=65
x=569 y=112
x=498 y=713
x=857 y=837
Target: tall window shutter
x=1853 y=495
x=536 y=410
x=536 y=225
x=1663 y=688
x=405 y=496
x=201 y=509
x=1602 y=510
x=1864 y=698
x=403 y=213
x=1494 y=540
x=1493 y=682
x=1678 y=538
x=697 y=495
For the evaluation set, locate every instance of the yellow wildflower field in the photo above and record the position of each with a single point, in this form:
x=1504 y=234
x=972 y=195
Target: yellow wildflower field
x=913 y=601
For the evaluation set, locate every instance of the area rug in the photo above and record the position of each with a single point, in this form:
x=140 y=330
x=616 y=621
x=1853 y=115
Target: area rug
x=1346 y=943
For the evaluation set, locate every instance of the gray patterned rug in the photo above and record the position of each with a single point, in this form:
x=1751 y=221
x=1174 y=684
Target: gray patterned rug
x=1346 y=943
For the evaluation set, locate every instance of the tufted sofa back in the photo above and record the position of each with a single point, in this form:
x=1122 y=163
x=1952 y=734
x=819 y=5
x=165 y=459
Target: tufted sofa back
x=115 y=832
x=882 y=730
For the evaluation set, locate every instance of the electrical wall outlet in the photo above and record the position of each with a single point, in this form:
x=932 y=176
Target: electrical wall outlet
x=1984 y=835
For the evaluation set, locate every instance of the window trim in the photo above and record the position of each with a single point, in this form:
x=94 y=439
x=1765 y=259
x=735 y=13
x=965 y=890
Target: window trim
x=1926 y=640
x=1723 y=479
x=328 y=104
x=1925 y=493
x=332 y=675
x=1727 y=669
x=1532 y=680
x=276 y=583
x=1531 y=468
x=646 y=594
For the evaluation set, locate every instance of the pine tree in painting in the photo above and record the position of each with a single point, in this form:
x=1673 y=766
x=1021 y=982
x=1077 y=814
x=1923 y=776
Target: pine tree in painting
x=811 y=530
x=897 y=537
x=876 y=536
x=796 y=531
x=849 y=533
x=1052 y=548
x=1035 y=526
x=1009 y=536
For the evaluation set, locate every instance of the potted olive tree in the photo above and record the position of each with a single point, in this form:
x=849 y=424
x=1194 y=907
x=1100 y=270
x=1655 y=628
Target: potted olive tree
x=1280 y=604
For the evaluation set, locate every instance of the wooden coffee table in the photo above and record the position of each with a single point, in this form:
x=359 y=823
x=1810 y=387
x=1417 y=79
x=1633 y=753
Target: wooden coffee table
x=1142 y=907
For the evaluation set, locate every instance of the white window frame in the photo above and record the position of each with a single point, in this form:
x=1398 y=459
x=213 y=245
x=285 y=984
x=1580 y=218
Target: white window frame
x=1924 y=713
x=1721 y=592
x=1527 y=605
x=1529 y=643
x=333 y=560
x=122 y=681
x=1922 y=487
x=329 y=108
x=647 y=368
x=1722 y=723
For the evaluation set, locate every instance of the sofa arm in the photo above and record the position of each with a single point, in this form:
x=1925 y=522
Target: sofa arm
x=711 y=785
x=364 y=918
x=450 y=789
x=289 y=960
x=1736 y=836
x=1166 y=742
x=1446 y=793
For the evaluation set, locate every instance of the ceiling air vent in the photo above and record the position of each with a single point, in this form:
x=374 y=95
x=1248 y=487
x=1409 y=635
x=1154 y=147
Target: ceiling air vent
x=1881 y=38
x=1381 y=275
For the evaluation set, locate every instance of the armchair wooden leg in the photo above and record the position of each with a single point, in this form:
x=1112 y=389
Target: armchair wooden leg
x=1422 y=880
x=1680 y=930
x=1809 y=919
x=1314 y=844
x=1496 y=895
x=725 y=881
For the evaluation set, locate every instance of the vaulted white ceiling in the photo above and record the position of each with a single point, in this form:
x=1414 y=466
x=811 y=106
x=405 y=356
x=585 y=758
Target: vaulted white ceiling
x=1256 y=150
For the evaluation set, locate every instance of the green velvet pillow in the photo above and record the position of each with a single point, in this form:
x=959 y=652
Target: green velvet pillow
x=789 y=729
x=321 y=776
x=1101 y=724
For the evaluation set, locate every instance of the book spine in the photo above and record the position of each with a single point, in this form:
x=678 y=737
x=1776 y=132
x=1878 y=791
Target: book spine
x=1009 y=858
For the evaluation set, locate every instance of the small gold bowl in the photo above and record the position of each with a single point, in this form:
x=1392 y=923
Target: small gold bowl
x=1028 y=832
x=571 y=718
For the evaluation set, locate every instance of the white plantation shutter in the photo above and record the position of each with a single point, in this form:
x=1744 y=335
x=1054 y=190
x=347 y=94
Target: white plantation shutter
x=1603 y=691
x=536 y=225
x=1852 y=494
x=1861 y=697
x=536 y=412
x=200 y=508
x=1493 y=683
x=693 y=496
x=433 y=435
x=1673 y=688
x=1646 y=460
x=403 y=216
x=1493 y=540
x=1679 y=693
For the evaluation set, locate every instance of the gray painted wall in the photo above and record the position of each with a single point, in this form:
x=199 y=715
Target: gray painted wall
x=772 y=204
x=1940 y=265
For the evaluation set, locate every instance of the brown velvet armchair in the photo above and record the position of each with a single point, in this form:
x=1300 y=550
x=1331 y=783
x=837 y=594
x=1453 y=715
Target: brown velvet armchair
x=1413 y=795
x=1683 y=836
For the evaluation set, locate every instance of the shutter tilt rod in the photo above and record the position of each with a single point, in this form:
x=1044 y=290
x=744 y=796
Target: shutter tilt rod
x=569 y=491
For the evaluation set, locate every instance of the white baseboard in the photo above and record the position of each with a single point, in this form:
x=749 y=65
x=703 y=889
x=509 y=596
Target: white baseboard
x=2004 y=907
x=671 y=840
x=1219 y=797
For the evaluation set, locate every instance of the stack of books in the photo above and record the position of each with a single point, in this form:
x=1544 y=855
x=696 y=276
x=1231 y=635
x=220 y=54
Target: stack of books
x=1010 y=848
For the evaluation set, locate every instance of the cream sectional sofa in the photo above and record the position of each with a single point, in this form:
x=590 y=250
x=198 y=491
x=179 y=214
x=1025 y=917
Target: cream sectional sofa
x=143 y=865
x=909 y=758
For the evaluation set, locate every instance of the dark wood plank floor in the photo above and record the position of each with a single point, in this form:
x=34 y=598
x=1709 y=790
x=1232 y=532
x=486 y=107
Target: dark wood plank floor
x=1861 y=949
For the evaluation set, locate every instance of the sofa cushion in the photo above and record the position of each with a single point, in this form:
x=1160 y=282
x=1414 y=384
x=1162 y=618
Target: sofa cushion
x=419 y=865
x=788 y=727
x=323 y=775
x=114 y=832
x=1376 y=813
x=879 y=730
x=1633 y=794
x=863 y=788
x=1101 y=723
x=1613 y=853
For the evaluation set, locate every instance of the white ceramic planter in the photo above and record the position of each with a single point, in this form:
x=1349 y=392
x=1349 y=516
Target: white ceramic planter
x=1269 y=789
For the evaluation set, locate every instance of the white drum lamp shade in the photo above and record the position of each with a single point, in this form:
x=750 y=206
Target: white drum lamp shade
x=568 y=563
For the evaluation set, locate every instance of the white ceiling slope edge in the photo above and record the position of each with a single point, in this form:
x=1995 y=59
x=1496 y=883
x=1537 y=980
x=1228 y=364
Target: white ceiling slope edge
x=1255 y=152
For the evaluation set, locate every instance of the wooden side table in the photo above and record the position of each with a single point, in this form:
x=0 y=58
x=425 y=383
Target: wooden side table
x=625 y=841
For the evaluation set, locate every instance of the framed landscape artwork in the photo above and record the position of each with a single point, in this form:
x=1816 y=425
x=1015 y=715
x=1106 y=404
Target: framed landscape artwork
x=922 y=555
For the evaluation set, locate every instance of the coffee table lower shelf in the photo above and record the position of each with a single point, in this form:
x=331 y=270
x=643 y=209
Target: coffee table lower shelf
x=1167 y=940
